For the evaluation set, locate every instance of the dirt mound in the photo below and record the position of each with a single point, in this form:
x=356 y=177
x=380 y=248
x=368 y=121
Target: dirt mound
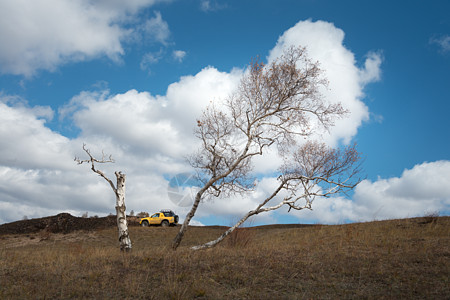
x=61 y=223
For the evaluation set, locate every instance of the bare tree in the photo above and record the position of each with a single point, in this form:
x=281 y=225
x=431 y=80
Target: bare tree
x=119 y=191
x=314 y=170
x=273 y=106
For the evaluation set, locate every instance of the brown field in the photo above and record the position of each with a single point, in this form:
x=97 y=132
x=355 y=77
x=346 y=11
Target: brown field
x=396 y=259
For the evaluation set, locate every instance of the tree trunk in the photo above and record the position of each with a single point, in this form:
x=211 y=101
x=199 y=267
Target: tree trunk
x=244 y=218
x=176 y=242
x=124 y=237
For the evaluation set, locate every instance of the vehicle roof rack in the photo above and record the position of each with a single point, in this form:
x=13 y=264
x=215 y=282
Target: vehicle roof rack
x=166 y=210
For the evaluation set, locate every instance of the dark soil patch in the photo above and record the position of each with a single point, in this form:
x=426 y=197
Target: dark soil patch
x=61 y=223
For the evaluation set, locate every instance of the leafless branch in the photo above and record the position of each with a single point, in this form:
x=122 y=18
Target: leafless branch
x=92 y=160
x=315 y=172
x=119 y=191
x=273 y=105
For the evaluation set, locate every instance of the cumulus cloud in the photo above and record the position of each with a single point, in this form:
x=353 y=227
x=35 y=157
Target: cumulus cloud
x=417 y=192
x=149 y=136
x=44 y=34
x=151 y=125
x=37 y=167
x=371 y=71
x=26 y=141
x=324 y=43
x=41 y=178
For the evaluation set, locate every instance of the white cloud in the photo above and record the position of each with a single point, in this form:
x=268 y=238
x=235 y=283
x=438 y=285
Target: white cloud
x=151 y=125
x=39 y=176
x=211 y=5
x=418 y=191
x=324 y=43
x=44 y=34
x=36 y=164
x=179 y=55
x=149 y=136
x=151 y=58
x=443 y=42
x=371 y=71
x=26 y=141
x=156 y=29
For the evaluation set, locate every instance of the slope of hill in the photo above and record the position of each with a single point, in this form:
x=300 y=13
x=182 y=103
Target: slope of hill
x=394 y=259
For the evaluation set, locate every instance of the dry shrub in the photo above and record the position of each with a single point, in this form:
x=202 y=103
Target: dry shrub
x=431 y=217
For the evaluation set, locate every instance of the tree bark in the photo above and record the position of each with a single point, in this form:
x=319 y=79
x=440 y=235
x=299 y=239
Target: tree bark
x=124 y=237
x=119 y=191
x=176 y=242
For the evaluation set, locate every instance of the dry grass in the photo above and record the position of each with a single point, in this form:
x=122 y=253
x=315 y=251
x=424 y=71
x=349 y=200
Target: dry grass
x=407 y=259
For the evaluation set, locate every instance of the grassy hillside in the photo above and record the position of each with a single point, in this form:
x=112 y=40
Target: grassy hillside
x=406 y=259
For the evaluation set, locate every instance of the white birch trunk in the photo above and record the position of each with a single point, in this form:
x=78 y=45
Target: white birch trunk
x=176 y=242
x=119 y=191
x=258 y=210
x=124 y=237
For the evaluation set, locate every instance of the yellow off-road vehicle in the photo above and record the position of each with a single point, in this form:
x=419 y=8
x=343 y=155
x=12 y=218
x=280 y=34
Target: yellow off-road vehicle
x=164 y=218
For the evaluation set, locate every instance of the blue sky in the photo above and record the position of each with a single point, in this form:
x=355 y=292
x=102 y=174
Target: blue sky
x=130 y=78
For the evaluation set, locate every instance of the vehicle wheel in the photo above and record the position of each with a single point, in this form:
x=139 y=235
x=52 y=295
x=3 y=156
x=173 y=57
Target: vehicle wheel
x=164 y=223
x=144 y=224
